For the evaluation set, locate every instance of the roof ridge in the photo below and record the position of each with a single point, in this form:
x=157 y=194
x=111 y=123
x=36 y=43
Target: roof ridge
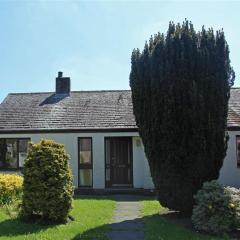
x=82 y=91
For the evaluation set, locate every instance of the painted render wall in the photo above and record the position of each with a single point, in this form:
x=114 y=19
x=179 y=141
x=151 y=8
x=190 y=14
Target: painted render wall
x=141 y=172
x=230 y=173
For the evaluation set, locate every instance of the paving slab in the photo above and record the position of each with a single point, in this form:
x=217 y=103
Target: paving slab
x=126 y=235
x=127 y=223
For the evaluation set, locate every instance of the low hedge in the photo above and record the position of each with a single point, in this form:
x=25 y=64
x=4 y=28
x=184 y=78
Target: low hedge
x=10 y=187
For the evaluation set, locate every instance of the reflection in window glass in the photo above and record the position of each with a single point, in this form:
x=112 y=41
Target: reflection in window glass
x=238 y=150
x=85 y=151
x=85 y=162
x=107 y=151
x=22 y=151
x=11 y=154
x=3 y=150
x=107 y=174
x=85 y=177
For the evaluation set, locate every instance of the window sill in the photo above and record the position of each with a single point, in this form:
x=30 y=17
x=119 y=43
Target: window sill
x=11 y=169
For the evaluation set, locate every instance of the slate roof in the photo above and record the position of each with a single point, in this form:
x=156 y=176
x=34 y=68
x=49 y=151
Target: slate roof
x=78 y=111
x=234 y=108
x=82 y=110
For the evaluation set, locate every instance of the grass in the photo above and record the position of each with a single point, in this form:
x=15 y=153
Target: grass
x=159 y=228
x=92 y=219
x=91 y=216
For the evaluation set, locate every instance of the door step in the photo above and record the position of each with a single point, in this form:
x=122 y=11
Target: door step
x=137 y=191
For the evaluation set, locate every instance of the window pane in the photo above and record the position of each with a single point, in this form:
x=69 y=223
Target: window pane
x=85 y=151
x=3 y=150
x=85 y=177
x=238 y=151
x=85 y=144
x=107 y=151
x=11 y=154
x=23 y=150
x=107 y=174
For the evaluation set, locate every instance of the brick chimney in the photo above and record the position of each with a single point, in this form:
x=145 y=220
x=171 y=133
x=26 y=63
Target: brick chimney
x=63 y=84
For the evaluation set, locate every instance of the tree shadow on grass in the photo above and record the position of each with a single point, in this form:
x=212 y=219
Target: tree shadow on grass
x=15 y=227
x=185 y=222
x=156 y=227
x=152 y=227
x=121 y=230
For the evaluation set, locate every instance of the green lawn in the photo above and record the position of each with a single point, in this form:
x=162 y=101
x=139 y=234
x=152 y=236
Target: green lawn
x=91 y=214
x=158 y=228
x=92 y=218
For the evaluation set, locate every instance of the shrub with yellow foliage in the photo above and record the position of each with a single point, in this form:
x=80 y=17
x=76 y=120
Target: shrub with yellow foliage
x=48 y=183
x=10 y=187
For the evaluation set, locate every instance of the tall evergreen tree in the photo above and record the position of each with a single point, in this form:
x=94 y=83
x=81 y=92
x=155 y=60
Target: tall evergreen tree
x=180 y=89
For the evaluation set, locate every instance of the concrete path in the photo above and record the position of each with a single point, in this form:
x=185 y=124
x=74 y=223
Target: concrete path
x=127 y=223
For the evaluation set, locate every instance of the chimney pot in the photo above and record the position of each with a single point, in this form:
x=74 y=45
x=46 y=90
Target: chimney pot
x=60 y=74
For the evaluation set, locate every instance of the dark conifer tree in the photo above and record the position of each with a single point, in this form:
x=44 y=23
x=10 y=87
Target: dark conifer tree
x=180 y=88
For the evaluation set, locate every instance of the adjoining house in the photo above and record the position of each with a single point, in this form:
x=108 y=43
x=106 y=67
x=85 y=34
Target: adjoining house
x=99 y=132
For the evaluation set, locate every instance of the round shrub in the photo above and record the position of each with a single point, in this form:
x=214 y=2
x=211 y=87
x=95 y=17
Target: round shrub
x=217 y=208
x=10 y=187
x=48 y=182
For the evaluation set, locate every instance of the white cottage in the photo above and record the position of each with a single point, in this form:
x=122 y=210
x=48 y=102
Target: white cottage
x=97 y=128
x=99 y=132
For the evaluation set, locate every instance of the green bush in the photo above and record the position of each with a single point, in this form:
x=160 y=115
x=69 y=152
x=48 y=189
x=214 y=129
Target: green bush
x=217 y=208
x=47 y=186
x=10 y=188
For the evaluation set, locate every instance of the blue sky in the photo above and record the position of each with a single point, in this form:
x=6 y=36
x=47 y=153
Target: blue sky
x=92 y=41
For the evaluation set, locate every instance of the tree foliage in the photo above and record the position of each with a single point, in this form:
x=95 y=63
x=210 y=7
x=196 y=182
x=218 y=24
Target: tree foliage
x=47 y=186
x=180 y=89
x=217 y=208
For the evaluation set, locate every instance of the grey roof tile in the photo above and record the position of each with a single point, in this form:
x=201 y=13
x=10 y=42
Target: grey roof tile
x=234 y=108
x=80 y=110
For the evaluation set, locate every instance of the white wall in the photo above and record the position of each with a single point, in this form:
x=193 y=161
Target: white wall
x=141 y=166
x=230 y=173
x=141 y=173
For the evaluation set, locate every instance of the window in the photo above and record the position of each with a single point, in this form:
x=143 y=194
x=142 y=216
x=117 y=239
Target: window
x=238 y=150
x=85 y=162
x=13 y=152
x=22 y=151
